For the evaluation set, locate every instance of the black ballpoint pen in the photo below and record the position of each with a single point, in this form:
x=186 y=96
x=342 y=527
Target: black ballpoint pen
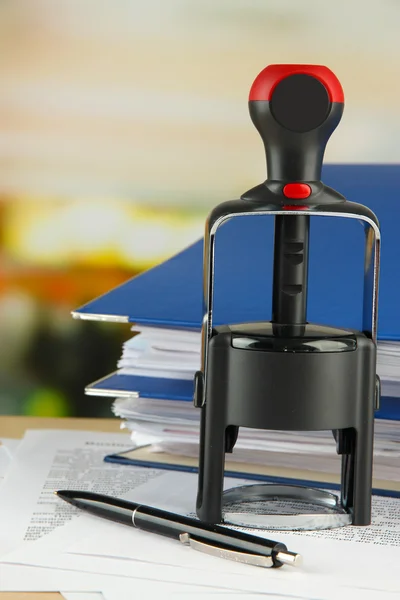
x=212 y=539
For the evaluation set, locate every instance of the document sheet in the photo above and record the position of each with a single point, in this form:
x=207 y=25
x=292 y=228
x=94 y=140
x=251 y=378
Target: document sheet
x=166 y=352
x=45 y=461
x=83 y=596
x=49 y=460
x=8 y=447
x=29 y=511
x=334 y=561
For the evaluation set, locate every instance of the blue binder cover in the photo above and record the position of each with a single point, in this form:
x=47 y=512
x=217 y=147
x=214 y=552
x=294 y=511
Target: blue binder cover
x=154 y=464
x=145 y=387
x=182 y=390
x=243 y=267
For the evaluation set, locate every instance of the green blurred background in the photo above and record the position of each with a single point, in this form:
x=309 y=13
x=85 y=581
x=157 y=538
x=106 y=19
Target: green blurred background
x=121 y=124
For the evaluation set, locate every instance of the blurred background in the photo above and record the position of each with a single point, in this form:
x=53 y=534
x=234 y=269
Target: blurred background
x=122 y=123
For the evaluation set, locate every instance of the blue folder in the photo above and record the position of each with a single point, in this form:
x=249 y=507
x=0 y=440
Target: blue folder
x=182 y=390
x=235 y=471
x=171 y=294
x=146 y=387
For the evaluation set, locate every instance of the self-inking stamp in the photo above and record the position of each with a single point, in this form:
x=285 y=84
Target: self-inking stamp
x=286 y=373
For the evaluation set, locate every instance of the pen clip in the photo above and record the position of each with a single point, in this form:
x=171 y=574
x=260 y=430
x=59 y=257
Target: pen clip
x=243 y=557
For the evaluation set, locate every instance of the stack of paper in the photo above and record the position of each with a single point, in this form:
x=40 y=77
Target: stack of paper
x=47 y=545
x=176 y=354
x=313 y=451
x=38 y=530
x=161 y=352
x=166 y=305
x=388 y=367
x=173 y=424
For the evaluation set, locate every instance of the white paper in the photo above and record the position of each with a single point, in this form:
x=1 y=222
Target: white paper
x=159 y=352
x=313 y=451
x=205 y=572
x=162 y=373
x=332 y=568
x=166 y=566
x=5 y=460
x=82 y=595
x=156 y=345
x=45 y=461
x=8 y=447
x=166 y=338
x=165 y=591
x=343 y=551
x=49 y=460
x=47 y=457
x=36 y=579
x=22 y=578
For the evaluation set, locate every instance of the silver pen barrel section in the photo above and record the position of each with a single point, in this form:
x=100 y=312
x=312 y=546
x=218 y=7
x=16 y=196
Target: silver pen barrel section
x=288 y=558
x=235 y=555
